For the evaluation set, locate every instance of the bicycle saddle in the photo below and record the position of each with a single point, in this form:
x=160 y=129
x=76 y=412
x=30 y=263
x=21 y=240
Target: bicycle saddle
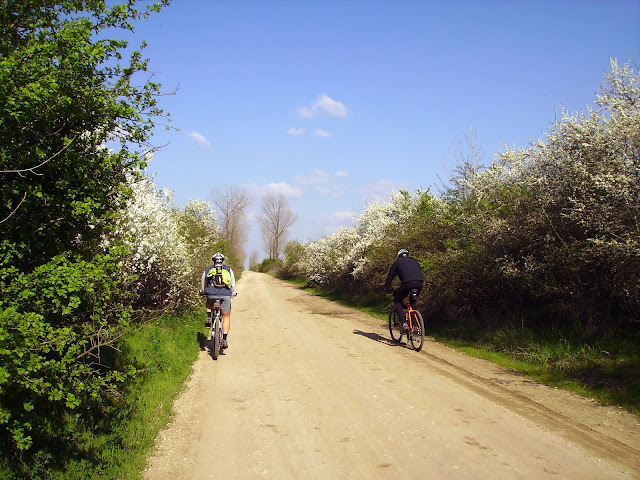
x=413 y=295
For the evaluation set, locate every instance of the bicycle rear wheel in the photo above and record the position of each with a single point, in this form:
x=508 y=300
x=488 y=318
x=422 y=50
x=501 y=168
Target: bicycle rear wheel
x=395 y=325
x=416 y=335
x=215 y=337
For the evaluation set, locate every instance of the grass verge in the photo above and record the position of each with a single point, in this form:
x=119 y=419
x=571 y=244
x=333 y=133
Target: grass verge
x=117 y=445
x=164 y=350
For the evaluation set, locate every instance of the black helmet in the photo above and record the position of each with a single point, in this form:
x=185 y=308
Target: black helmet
x=217 y=258
x=403 y=252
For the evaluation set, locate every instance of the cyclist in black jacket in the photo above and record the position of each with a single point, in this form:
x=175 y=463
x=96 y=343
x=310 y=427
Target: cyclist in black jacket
x=408 y=270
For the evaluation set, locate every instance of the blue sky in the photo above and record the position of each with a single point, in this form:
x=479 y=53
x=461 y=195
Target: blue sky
x=337 y=103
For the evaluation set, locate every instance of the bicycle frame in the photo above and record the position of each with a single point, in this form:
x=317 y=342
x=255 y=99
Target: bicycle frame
x=215 y=334
x=415 y=333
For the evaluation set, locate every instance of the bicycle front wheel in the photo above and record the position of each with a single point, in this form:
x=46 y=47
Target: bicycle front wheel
x=215 y=337
x=395 y=325
x=416 y=335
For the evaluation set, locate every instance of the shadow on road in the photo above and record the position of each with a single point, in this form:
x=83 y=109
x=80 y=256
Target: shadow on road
x=201 y=338
x=378 y=338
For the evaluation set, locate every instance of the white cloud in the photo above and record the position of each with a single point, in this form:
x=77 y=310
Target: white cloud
x=322 y=182
x=199 y=139
x=315 y=177
x=381 y=190
x=321 y=133
x=296 y=131
x=324 y=105
x=287 y=189
x=304 y=112
x=332 y=222
x=342 y=218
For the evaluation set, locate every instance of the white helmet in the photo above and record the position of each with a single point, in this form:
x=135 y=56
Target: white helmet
x=403 y=252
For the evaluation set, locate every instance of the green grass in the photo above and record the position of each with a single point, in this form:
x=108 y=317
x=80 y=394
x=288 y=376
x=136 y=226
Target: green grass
x=603 y=366
x=117 y=446
x=164 y=350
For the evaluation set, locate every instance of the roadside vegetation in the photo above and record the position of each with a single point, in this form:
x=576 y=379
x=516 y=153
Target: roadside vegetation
x=117 y=443
x=535 y=256
x=92 y=252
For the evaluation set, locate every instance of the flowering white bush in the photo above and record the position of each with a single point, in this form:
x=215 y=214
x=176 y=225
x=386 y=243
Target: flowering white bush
x=159 y=257
x=561 y=218
x=554 y=226
x=203 y=237
x=345 y=252
x=324 y=258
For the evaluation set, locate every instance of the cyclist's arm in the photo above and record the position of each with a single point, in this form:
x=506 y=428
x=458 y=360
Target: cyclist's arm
x=233 y=282
x=391 y=276
x=203 y=280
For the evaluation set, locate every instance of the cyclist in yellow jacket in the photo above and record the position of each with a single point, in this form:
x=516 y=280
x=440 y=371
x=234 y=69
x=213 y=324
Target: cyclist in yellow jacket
x=218 y=281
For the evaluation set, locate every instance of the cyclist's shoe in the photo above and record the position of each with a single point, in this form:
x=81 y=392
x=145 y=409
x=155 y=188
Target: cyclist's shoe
x=207 y=323
x=405 y=327
x=224 y=343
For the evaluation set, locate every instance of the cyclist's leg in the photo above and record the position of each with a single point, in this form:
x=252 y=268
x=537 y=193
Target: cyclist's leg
x=209 y=309
x=225 y=309
x=226 y=322
x=398 y=297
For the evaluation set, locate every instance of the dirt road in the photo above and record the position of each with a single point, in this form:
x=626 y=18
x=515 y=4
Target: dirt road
x=312 y=390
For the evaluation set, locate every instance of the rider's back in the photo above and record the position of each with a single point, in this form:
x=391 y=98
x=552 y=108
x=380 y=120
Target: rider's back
x=408 y=269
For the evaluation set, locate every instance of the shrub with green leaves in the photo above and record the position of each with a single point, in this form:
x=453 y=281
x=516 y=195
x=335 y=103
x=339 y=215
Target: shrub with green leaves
x=66 y=93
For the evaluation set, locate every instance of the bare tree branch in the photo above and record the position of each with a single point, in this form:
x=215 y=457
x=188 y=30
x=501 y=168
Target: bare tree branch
x=32 y=169
x=15 y=209
x=232 y=202
x=275 y=219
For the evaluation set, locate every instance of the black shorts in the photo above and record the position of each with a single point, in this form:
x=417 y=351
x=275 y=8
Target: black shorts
x=405 y=288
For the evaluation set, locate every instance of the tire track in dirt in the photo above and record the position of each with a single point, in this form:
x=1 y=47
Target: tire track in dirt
x=311 y=389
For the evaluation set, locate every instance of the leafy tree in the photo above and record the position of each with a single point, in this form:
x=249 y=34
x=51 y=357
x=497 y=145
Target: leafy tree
x=65 y=95
x=66 y=92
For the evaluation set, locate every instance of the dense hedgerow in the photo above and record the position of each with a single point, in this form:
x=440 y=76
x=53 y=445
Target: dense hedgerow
x=550 y=232
x=87 y=239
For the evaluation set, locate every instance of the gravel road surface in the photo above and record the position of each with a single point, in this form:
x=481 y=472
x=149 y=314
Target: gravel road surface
x=309 y=389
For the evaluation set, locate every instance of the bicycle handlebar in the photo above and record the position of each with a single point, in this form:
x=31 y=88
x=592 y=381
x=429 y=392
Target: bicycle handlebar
x=203 y=294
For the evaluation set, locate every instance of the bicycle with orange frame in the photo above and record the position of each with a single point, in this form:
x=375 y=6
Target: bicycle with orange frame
x=415 y=324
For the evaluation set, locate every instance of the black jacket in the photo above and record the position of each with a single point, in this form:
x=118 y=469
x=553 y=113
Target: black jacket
x=407 y=269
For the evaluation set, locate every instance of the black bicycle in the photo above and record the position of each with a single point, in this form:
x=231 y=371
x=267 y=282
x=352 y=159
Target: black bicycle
x=415 y=325
x=215 y=333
